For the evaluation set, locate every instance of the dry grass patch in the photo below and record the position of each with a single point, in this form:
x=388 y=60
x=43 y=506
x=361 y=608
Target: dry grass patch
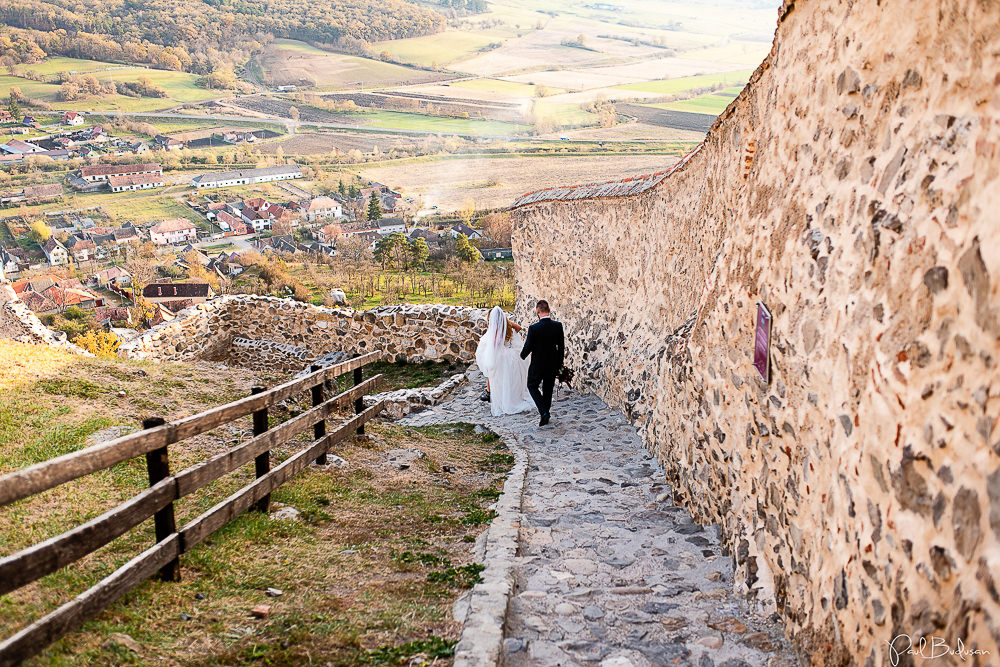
x=369 y=572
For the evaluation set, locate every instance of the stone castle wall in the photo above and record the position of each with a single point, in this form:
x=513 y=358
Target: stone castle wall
x=267 y=333
x=20 y=323
x=852 y=188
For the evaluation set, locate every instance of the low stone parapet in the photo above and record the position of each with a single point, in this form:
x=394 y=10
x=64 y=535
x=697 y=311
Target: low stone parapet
x=410 y=333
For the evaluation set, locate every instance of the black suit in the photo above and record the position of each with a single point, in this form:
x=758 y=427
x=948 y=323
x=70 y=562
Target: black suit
x=547 y=345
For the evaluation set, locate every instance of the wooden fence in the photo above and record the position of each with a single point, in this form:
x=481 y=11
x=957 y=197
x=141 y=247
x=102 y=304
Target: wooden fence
x=38 y=560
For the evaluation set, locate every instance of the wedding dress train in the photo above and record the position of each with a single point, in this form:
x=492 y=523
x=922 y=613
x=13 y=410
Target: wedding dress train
x=498 y=356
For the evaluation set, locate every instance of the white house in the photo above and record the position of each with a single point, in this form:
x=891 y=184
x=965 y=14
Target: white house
x=176 y=230
x=72 y=118
x=135 y=182
x=388 y=226
x=225 y=179
x=321 y=208
x=55 y=252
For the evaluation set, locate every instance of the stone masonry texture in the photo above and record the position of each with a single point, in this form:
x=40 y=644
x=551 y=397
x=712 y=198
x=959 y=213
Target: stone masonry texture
x=851 y=188
x=282 y=334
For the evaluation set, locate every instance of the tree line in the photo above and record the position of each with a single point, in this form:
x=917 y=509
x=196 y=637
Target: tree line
x=196 y=36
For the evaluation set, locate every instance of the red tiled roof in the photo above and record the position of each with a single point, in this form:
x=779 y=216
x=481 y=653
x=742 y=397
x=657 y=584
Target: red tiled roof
x=111 y=169
x=134 y=179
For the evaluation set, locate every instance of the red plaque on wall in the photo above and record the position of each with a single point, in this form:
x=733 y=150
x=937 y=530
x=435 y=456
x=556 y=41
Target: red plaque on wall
x=762 y=343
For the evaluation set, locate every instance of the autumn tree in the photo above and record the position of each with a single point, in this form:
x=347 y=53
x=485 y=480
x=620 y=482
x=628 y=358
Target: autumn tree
x=99 y=343
x=293 y=113
x=498 y=227
x=41 y=231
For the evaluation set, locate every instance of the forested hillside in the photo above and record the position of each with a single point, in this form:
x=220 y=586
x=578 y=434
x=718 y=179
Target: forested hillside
x=194 y=34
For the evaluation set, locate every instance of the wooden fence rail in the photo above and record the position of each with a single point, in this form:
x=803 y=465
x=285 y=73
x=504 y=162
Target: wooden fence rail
x=38 y=560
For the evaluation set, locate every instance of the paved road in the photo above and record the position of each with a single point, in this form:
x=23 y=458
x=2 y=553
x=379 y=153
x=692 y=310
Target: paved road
x=609 y=570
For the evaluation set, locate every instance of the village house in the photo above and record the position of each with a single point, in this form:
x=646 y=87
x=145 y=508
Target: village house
x=135 y=182
x=72 y=118
x=106 y=315
x=321 y=208
x=12 y=261
x=388 y=226
x=102 y=172
x=6 y=116
x=165 y=292
x=18 y=147
x=39 y=303
x=65 y=296
x=326 y=235
x=114 y=275
x=82 y=249
x=176 y=230
x=230 y=224
x=55 y=252
x=469 y=232
x=224 y=179
x=166 y=143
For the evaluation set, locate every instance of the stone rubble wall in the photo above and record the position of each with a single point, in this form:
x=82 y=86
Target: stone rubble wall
x=403 y=332
x=20 y=323
x=852 y=188
x=402 y=402
x=265 y=355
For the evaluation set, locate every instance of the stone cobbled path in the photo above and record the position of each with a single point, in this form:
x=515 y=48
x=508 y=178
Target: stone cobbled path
x=610 y=572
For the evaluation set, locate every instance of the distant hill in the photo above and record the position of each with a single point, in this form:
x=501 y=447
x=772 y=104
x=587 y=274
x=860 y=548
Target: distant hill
x=195 y=32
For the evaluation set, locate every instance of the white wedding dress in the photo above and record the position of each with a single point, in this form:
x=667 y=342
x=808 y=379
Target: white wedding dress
x=500 y=361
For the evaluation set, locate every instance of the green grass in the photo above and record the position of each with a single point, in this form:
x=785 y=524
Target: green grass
x=56 y=64
x=683 y=84
x=709 y=104
x=442 y=48
x=401 y=120
x=179 y=86
x=509 y=88
x=369 y=572
x=409 y=376
x=564 y=114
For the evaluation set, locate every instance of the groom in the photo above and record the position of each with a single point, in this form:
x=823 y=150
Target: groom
x=546 y=345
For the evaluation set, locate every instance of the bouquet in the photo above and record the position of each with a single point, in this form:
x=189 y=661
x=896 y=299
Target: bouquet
x=566 y=376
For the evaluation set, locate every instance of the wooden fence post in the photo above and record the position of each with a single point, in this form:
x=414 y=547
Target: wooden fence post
x=262 y=463
x=319 y=430
x=359 y=402
x=158 y=466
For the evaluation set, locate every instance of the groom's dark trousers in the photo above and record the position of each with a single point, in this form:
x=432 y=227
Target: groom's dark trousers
x=543 y=398
x=547 y=346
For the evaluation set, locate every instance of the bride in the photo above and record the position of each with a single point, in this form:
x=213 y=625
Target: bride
x=499 y=358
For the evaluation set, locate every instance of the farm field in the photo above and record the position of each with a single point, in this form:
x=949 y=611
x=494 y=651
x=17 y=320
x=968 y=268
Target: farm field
x=682 y=120
x=440 y=49
x=451 y=184
x=398 y=120
x=297 y=63
x=321 y=143
x=713 y=103
x=684 y=84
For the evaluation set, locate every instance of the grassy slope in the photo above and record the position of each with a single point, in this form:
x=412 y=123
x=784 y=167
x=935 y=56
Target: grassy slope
x=334 y=70
x=373 y=564
x=179 y=86
x=683 y=84
x=442 y=48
